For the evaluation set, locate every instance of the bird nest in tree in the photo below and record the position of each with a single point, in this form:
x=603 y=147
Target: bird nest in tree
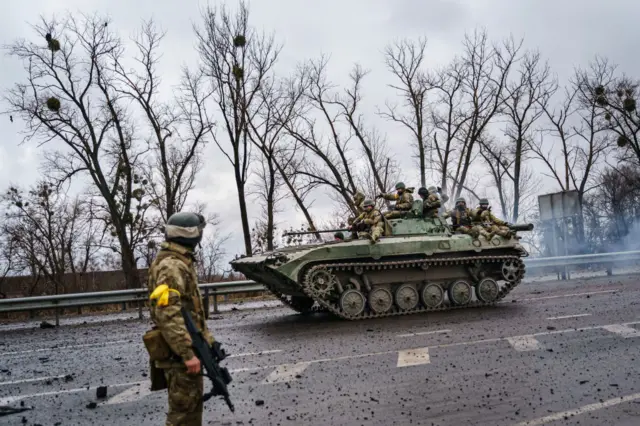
x=622 y=141
x=54 y=45
x=239 y=41
x=238 y=72
x=607 y=117
x=599 y=90
x=629 y=104
x=53 y=104
x=601 y=100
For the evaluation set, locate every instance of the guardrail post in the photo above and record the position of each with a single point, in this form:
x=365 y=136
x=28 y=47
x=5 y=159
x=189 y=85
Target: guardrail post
x=57 y=310
x=140 y=306
x=206 y=303
x=215 y=302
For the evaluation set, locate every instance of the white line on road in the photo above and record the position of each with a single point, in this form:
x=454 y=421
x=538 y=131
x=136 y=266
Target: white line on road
x=524 y=343
x=581 y=410
x=411 y=357
x=273 y=351
x=11 y=399
x=623 y=330
x=588 y=293
x=423 y=333
x=35 y=379
x=569 y=316
x=58 y=348
x=134 y=393
x=286 y=373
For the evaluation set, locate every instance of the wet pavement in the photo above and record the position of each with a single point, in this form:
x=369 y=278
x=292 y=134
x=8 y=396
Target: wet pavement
x=562 y=353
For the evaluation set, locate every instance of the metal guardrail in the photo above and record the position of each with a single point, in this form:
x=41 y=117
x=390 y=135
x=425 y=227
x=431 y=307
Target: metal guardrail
x=57 y=302
x=74 y=300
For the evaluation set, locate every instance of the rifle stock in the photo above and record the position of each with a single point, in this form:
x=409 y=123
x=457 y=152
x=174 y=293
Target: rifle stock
x=210 y=358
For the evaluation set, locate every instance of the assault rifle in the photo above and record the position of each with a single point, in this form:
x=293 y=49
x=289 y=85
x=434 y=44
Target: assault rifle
x=210 y=358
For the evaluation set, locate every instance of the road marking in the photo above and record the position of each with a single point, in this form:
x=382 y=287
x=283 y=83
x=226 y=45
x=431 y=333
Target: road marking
x=11 y=399
x=58 y=348
x=542 y=333
x=411 y=357
x=623 y=330
x=524 y=343
x=581 y=410
x=588 y=293
x=273 y=351
x=423 y=333
x=35 y=379
x=134 y=393
x=569 y=316
x=286 y=373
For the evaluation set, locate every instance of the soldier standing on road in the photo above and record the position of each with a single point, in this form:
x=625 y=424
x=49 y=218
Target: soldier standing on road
x=174 y=267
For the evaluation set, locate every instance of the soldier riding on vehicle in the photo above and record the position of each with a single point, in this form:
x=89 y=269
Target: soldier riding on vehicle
x=403 y=199
x=461 y=219
x=488 y=221
x=369 y=224
x=430 y=201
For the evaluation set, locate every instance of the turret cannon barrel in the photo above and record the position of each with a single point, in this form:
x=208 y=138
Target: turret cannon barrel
x=319 y=231
x=521 y=227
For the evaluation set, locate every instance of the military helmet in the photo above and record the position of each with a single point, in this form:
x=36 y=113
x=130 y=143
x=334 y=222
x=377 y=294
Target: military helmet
x=400 y=185
x=461 y=200
x=368 y=203
x=432 y=189
x=483 y=201
x=185 y=228
x=423 y=191
x=339 y=235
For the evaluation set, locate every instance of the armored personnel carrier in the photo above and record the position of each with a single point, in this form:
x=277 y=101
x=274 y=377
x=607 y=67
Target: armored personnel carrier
x=419 y=265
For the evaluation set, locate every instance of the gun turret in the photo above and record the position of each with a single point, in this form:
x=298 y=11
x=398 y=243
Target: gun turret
x=521 y=227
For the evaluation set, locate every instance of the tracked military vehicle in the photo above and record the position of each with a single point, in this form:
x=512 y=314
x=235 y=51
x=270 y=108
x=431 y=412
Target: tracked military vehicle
x=419 y=265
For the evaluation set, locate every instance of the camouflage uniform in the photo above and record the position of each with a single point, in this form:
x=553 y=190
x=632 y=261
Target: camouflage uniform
x=357 y=201
x=491 y=223
x=403 y=199
x=372 y=222
x=462 y=220
x=430 y=201
x=174 y=266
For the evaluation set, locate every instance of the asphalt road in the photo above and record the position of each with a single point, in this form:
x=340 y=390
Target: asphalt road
x=560 y=354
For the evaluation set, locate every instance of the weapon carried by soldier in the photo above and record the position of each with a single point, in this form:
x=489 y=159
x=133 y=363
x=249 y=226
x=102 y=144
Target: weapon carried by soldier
x=210 y=357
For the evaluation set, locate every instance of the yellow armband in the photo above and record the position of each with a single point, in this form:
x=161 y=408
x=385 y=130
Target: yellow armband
x=161 y=294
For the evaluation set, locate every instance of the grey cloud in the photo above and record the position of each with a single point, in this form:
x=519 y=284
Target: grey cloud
x=568 y=33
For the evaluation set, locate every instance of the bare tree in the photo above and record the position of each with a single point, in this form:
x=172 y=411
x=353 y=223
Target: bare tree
x=449 y=116
x=524 y=100
x=278 y=103
x=7 y=260
x=50 y=233
x=178 y=128
x=74 y=95
x=237 y=60
x=328 y=155
x=617 y=100
x=212 y=251
x=404 y=59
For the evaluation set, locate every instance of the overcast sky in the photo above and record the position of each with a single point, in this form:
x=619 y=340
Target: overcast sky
x=567 y=32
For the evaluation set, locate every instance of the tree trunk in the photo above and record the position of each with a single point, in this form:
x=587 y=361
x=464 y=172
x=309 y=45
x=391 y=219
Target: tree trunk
x=246 y=231
x=129 y=267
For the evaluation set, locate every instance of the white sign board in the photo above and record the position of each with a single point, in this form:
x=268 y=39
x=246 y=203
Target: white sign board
x=559 y=205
